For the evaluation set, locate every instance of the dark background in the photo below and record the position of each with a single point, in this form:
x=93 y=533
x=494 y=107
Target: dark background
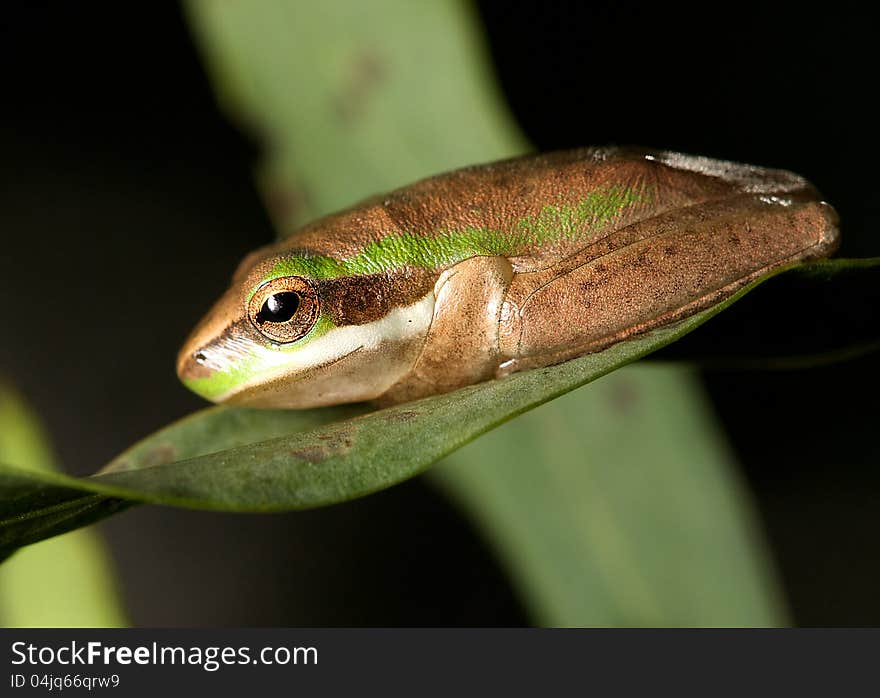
x=126 y=201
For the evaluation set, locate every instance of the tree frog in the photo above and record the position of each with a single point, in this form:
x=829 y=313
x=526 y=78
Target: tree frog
x=477 y=273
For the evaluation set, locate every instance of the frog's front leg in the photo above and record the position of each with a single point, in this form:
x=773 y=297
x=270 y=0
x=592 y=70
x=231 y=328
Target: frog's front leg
x=462 y=343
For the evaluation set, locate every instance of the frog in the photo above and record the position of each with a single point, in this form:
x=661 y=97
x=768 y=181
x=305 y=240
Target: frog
x=478 y=273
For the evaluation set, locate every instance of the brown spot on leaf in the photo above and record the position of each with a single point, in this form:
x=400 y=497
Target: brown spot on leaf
x=404 y=416
x=288 y=202
x=160 y=454
x=624 y=397
x=311 y=454
x=366 y=73
x=331 y=444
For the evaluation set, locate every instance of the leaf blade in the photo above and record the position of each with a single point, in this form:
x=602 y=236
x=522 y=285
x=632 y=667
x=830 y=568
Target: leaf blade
x=65 y=582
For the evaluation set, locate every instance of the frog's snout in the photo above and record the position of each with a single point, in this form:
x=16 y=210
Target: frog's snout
x=198 y=363
x=194 y=370
x=214 y=349
x=207 y=369
x=191 y=364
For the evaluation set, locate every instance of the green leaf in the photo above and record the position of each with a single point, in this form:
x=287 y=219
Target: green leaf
x=619 y=506
x=351 y=99
x=251 y=460
x=65 y=582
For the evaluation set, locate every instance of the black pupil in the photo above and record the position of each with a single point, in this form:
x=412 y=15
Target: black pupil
x=279 y=307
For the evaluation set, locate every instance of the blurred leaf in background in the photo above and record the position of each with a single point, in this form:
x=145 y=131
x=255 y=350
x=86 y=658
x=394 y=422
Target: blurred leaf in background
x=638 y=517
x=67 y=581
x=353 y=98
x=622 y=509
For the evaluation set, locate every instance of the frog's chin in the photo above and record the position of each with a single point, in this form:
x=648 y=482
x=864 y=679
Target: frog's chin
x=361 y=374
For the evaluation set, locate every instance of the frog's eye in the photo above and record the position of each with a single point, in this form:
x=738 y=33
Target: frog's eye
x=284 y=309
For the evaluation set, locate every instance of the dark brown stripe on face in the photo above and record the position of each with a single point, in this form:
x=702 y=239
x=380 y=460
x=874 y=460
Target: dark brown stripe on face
x=357 y=300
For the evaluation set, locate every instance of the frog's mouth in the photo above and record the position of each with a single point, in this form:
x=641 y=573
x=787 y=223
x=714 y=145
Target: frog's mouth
x=338 y=359
x=244 y=378
x=360 y=374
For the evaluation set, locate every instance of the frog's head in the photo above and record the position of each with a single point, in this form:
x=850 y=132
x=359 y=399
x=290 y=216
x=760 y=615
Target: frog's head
x=297 y=329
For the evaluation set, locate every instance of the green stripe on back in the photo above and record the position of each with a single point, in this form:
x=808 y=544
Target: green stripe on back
x=446 y=247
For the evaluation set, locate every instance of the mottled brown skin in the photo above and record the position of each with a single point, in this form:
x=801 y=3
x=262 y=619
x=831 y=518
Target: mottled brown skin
x=697 y=231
